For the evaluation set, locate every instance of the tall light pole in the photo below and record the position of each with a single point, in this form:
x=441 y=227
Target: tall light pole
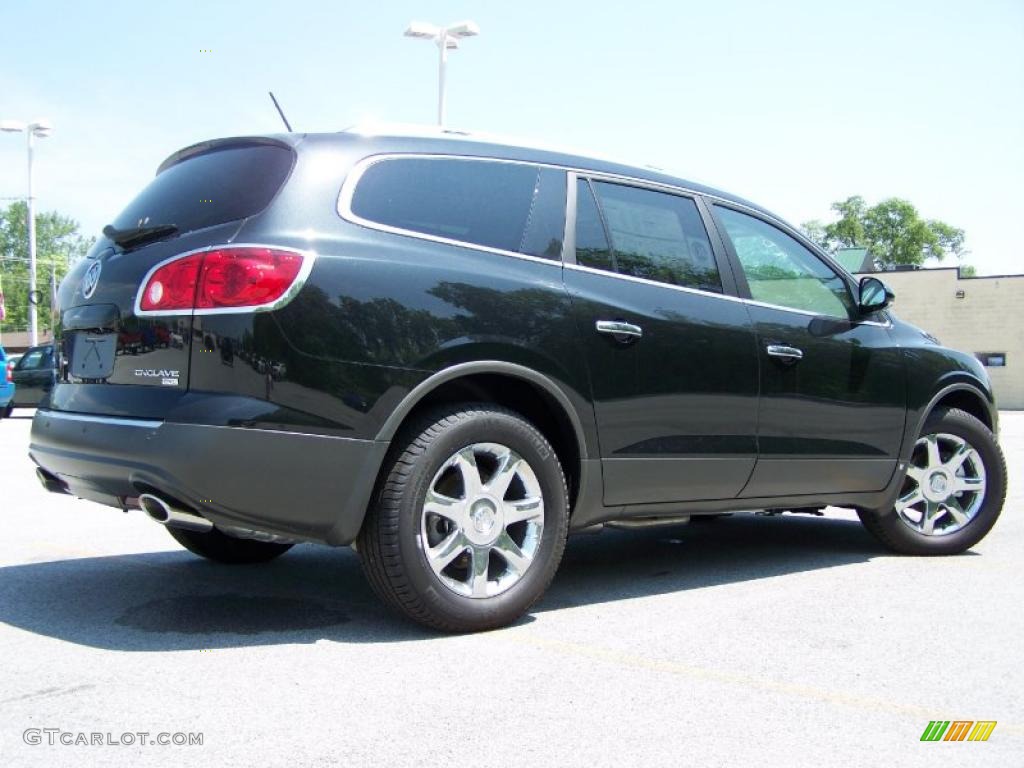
x=42 y=129
x=446 y=39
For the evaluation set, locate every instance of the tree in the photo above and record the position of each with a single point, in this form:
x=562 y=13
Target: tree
x=848 y=232
x=892 y=231
x=814 y=231
x=58 y=244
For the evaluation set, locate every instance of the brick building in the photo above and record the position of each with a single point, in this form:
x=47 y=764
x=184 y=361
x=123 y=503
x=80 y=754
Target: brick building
x=980 y=315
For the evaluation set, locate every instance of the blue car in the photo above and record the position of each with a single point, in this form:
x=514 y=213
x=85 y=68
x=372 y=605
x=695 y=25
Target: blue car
x=6 y=384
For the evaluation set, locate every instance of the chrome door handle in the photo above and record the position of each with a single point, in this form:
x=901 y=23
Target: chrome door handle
x=781 y=351
x=619 y=328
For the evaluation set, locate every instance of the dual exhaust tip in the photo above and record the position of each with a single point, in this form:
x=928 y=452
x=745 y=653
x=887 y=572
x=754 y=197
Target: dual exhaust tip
x=167 y=514
x=161 y=510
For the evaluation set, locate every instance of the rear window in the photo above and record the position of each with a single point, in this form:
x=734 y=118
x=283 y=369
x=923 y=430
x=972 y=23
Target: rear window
x=511 y=206
x=210 y=188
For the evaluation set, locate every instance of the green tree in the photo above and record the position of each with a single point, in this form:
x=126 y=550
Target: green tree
x=849 y=230
x=892 y=231
x=814 y=231
x=58 y=244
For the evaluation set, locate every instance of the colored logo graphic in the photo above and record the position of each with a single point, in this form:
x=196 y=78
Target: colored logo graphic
x=958 y=730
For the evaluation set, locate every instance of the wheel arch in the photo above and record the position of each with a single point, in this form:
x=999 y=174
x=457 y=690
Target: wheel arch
x=524 y=390
x=963 y=395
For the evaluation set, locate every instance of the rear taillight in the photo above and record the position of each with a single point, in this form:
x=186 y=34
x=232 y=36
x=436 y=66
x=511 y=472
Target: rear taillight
x=10 y=371
x=232 y=278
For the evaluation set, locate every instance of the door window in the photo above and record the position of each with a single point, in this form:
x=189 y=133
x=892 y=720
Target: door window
x=592 y=249
x=779 y=270
x=658 y=236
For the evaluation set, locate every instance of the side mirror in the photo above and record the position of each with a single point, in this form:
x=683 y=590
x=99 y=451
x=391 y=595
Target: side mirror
x=874 y=295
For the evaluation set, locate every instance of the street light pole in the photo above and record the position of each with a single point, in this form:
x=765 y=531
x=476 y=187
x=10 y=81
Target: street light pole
x=33 y=322
x=446 y=39
x=442 y=48
x=42 y=129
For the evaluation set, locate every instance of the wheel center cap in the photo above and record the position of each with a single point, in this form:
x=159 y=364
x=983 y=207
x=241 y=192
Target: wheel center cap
x=937 y=486
x=484 y=515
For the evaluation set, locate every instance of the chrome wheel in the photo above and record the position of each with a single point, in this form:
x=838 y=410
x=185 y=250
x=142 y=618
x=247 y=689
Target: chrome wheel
x=944 y=487
x=482 y=520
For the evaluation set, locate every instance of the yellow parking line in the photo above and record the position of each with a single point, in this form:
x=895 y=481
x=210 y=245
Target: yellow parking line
x=636 y=661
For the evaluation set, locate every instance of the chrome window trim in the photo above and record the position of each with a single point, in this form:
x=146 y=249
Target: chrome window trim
x=61 y=415
x=725 y=296
x=351 y=183
x=348 y=188
x=308 y=259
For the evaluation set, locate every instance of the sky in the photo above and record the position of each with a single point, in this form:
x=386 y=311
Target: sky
x=791 y=104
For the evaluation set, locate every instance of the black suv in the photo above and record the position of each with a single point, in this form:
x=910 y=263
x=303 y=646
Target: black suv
x=449 y=352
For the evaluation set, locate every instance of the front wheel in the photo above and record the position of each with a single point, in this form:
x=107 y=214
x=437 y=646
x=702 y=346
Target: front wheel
x=953 y=491
x=469 y=524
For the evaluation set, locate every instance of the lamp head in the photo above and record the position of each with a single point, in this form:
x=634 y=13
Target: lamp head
x=422 y=30
x=463 y=29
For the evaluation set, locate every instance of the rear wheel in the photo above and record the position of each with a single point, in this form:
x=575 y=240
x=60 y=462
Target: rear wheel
x=953 y=491
x=470 y=522
x=219 y=547
x=8 y=411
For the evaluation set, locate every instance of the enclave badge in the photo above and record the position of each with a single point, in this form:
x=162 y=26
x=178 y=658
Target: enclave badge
x=91 y=279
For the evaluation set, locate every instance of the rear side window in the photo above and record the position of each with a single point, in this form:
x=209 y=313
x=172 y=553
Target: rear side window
x=210 y=188
x=510 y=206
x=658 y=236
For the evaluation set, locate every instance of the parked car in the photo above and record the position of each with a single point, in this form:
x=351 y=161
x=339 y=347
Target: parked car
x=491 y=345
x=6 y=384
x=33 y=375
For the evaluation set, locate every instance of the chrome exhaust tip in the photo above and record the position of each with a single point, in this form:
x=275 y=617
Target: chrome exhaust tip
x=173 y=517
x=52 y=483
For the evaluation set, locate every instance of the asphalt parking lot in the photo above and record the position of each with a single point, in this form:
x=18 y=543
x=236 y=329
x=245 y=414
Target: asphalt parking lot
x=743 y=641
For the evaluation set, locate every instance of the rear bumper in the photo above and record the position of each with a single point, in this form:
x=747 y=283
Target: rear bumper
x=307 y=486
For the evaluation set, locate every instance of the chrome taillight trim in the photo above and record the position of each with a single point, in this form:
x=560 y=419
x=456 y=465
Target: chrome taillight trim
x=308 y=259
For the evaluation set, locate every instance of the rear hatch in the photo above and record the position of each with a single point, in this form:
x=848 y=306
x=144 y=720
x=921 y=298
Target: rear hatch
x=199 y=198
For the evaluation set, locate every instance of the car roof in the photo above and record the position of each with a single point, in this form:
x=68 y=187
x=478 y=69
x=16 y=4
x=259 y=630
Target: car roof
x=405 y=138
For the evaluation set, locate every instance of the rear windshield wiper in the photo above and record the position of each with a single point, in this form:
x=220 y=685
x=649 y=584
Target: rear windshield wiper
x=128 y=238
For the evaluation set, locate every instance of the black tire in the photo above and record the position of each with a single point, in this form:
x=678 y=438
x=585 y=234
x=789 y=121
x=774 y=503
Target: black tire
x=898 y=536
x=8 y=411
x=219 y=547
x=389 y=546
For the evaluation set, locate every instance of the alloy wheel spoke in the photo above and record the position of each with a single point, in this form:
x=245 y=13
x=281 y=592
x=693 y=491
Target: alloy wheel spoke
x=515 y=557
x=956 y=511
x=915 y=473
x=442 y=555
x=508 y=466
x=932 y=444
x=960 y=455
x=478 y=575
x=465 y=463
x=909 y=499
x=931 y=514
x=968 y=484
x=446 y=507
x=522 y=510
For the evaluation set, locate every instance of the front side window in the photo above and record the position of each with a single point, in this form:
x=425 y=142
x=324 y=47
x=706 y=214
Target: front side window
x=779 y=270
x=510 y=206
x=658 y=236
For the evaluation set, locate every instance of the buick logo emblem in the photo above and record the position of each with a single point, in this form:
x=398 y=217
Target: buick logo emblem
x=91 y=280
